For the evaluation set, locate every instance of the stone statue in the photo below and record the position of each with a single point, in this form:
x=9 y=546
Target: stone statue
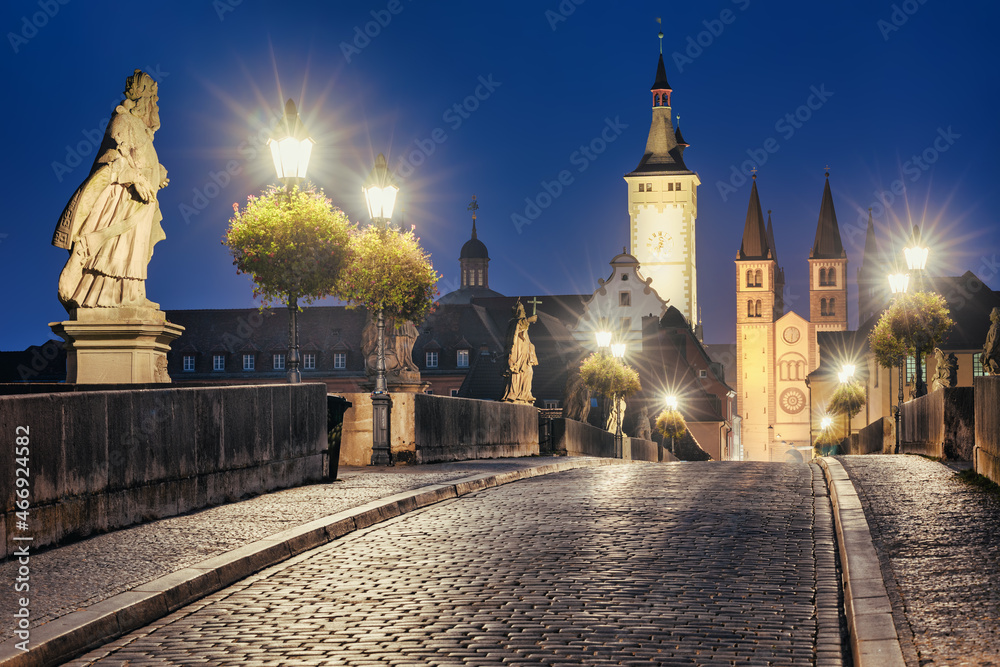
x=640 y=425
x=946 y=372
x=520 y=355
x=112 y=222
x=398 y=340
x=577 y=398
x=616 y=416
x=990 y=357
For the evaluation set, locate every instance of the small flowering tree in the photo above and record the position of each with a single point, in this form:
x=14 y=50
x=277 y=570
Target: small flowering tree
x=390 y=273
x=607 y=377
x=670 y=423
x=847 y=399
x=913 y=325
x=293 y=244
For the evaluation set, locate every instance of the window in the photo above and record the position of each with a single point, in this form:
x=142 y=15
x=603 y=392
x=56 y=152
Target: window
x=188 y=363
x=278 y=361
x=831 y=308
x=649 y=187
x=758 y=278
x=550 y=404
x=642 y=187
x=977 y=366
x=831 y=277
x=431 y=359
x=454 y=392
x=822 y=276
x=822 y=307
x=218 y=362
x=670 y=187
x=309 y=361
x=757 y=309
x=702 y=373
x=624 y=276
x=462 y=358
x=749 y=308
x=625 y=299
x=248 y=362
x=911 y=368
x=749 y=277
x=677 y=187
x=339 y=361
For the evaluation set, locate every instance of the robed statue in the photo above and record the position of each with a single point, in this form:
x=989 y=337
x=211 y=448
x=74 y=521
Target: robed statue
x=946 y=371
x=398 y=339
x=990 y=357
x=112 y=222
x=520 y=356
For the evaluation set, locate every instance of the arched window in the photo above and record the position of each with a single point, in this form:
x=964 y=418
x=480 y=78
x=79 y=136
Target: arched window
x=757 y=309
x=822 y=307
x=749 y=308
x=822 y=276
x=831 y=276
x=831 y=308
x=758 y=278
x=749 y=277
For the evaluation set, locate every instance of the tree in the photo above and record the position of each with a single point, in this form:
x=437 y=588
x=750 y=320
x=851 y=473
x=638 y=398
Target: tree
x=670 y=423
x=606 y=376
x=390 y=273
x=848 y=399
x=912 y=326
x=293 y=244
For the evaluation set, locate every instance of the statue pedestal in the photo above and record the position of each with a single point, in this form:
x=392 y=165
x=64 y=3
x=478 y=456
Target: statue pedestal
x=117 y=345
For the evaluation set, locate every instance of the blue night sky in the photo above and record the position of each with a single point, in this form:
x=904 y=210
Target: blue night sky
x=495 y=99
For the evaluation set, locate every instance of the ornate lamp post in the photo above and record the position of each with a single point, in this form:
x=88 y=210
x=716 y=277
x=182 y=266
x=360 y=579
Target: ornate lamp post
x=916 y=260
x=618 y=352
x=846 y=375
x=898 y=283
x=380 y=195
x=291 y=148
x=672 y=405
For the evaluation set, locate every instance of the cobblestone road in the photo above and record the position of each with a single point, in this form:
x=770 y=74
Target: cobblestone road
x=80 y=574
x=937 y=539
x=699 y=563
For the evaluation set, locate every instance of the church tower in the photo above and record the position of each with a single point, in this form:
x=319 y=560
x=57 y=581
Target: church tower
x=662 y=204
x=474 y=260
x=759 y=296
x=827 y=273
x=872 y=292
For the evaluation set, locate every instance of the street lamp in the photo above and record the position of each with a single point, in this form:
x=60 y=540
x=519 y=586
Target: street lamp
x=618 y=352
x=672 y=405
x=916 y=260
x=380 y=193
x=291 y=148
x=898 y=288
x=380 y=196
x=603 y=339
x=846 y=376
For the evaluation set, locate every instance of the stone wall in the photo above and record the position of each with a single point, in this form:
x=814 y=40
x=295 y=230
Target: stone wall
x=102 y=460
x=879 y=437
x=645 y=450
x=425 y=428
x=940 y=424
x=987 y=452
x=579 y=439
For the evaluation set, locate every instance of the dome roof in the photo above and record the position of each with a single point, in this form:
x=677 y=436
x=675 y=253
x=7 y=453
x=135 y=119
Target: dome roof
x=474 y=249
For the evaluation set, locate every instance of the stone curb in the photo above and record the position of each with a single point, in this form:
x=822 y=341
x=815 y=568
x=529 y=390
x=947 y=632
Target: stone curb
x=75 y=633
x=869 y=613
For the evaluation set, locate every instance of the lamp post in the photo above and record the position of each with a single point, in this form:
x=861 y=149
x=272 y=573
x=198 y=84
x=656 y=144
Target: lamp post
x=672 y=405
x=916 y=260
x=291 y=148
x=898 y=283
x=618 y=352
x=846 y=375
x=380 y=196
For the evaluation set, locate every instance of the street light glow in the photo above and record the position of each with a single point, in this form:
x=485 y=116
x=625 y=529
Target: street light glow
x=380 y=191
x=826 y=423
x=618 y=350
x=898 y=282
x=672 y=402
x=916 y=254
x=291 y=147
x=603 y=338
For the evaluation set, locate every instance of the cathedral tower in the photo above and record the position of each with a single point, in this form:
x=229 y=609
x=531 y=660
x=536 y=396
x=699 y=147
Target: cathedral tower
x=474 y=260
x=662 y=204
x=759 y=292
x=872 y=291
x=827 y=273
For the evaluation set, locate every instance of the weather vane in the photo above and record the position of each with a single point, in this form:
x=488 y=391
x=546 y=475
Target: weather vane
x=660 y=21
x=473 y=206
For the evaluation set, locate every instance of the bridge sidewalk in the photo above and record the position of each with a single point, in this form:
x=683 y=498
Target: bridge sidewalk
x=83 y=594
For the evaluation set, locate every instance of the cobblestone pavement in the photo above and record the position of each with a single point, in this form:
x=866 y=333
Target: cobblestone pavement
x=67 y=578
x=937 y=540
x=698 y=563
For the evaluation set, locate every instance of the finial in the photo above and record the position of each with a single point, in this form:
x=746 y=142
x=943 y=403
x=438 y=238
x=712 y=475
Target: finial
x=473 y=206
x=769 y=213
x=660 y=21
x=827 y=171
x=754 y=170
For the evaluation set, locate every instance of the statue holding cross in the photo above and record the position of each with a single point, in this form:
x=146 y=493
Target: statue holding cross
x=534 y=305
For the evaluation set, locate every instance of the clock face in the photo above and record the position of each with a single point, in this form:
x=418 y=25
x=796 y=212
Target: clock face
x=660 y=245
x=791 y=335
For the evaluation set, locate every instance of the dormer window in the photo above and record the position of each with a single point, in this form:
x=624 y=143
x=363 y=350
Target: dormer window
x=642 y=187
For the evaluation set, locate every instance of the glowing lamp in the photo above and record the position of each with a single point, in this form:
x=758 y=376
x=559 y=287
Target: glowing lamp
x=380 y=192
x=291 y=147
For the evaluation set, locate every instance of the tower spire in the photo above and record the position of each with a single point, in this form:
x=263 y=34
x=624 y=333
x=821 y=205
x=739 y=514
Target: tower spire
x=473 y=206
x=828 y=243
x=755 y=237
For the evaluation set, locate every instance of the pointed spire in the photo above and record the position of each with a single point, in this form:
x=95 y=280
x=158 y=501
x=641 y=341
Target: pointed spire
x=828 y=244
x=678 y=137
x=473 y=206
x=755 y=237
x=661 y=82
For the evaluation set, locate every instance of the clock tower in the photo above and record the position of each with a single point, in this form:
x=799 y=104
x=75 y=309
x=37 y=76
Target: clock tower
x=663 y=207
